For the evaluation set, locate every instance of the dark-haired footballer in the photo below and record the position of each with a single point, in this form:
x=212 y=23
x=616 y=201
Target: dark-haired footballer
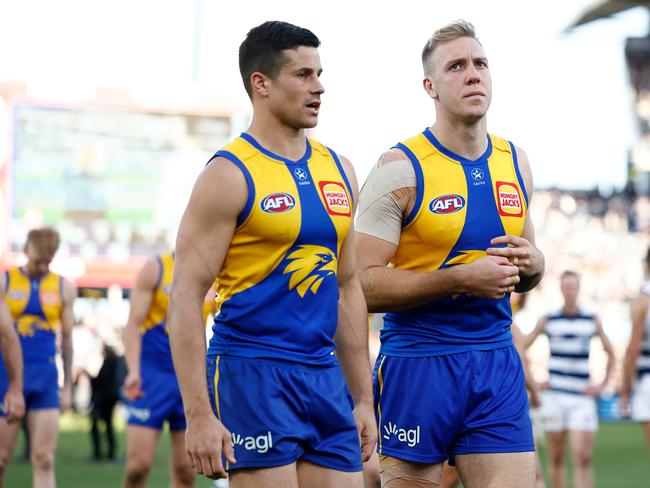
x=271 y=218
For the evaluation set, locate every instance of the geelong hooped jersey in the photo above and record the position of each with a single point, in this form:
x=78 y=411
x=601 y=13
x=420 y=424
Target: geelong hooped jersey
x=460 y=206
x=155 y=336
x=35 y=303
x=569 y=338
x=643 y=363
x=278 y=287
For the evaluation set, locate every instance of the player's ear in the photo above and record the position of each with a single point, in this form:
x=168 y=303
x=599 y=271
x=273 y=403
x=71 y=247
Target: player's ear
x=429 y=87
x=260 y=83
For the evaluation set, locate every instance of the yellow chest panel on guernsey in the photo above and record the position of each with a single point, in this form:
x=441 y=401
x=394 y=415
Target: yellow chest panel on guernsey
x=34 y=303
x=461 y=205
x=278 y=287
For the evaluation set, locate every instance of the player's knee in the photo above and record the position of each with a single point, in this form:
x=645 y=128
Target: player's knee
x=137 y=470
x=43 y=460
x=557 y=459
x=4 y=460
x=582 y=460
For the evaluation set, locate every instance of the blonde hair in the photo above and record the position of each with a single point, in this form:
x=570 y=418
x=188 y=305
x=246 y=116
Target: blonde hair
x=45 y=240
x=453 y=30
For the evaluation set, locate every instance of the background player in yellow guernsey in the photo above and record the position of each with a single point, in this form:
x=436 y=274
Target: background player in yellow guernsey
x=151 y=387
x=271 y=216
x=40 y=303
x=448 y=210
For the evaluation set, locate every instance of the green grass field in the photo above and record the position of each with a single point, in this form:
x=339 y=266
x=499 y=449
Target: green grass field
x=621 y=460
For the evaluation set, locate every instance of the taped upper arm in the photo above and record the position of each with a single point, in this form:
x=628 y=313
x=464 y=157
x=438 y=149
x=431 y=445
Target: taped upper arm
x=385 y=197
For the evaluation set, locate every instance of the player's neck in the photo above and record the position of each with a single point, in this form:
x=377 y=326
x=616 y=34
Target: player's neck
x=466 y=140
x=570 y=309
x=278 y=138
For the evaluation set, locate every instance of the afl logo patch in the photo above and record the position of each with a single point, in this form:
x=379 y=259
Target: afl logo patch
x=336 y=198
x=509 y=199
x=278 y=202
x=447 y=204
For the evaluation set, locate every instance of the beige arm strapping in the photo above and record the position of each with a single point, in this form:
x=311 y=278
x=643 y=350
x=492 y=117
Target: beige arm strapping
x=380 y=214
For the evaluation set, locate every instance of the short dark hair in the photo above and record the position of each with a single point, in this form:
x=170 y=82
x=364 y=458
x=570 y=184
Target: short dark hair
x=262 y=49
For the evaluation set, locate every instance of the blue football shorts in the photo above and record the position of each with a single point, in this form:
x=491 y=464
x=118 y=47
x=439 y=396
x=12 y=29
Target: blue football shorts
x=40 y=385
x=280 y=412
x=429 y=409
x=161 y=402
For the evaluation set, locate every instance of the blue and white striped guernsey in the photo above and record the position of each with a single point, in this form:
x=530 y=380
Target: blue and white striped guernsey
x=643 y=364
x=569 y=338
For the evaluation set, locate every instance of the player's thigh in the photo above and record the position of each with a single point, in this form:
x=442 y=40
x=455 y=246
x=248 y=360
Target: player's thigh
x=312 y=475
x=450 y=477
x=285 y=476
x=180 y=458
x=141 y=445
x=371 y=471
x=8 y=436
x=43 y=427
x=398 y=473
x=497 y=470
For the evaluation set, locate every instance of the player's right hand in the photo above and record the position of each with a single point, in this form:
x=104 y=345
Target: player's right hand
x=205 y=440
x=490 y=277
x=133 y=386
x=14 y=405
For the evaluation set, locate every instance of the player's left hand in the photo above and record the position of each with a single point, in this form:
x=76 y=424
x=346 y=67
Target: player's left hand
x=66 y=398
x=14 y=405
x=520 y=252
x=364 y=417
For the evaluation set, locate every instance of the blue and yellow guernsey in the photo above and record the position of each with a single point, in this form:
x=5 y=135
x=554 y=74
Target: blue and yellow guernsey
x=155 y=336
x=278 y=287
x=35 y=304
x=460 y=206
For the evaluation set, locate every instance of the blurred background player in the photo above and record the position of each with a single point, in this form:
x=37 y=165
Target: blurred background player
x=106 y=387
x=40 y=303
x=569 y=407
x=636 y=368
x=151 y=387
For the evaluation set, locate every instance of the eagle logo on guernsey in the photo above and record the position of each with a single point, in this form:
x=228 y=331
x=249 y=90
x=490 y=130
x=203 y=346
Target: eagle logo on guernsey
x=309 y=265
x=509 y=199
x=278 y=202
x=336 y=198
x=447 y=204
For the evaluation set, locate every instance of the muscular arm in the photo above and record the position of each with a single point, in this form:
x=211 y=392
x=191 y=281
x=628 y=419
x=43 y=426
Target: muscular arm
x=140 y=301
x=13 y=402
x=521 y=250
x=204 y=236
x=352 y=336
x=389 y=289
x=67 y=322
